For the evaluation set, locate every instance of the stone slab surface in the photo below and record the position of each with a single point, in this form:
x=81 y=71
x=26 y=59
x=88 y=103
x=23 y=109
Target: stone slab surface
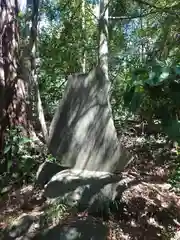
x=83 y=188
x=82 y=133
x=46 y=171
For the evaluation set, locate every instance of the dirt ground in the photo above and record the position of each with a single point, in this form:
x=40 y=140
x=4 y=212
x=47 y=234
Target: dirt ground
x=149 y=209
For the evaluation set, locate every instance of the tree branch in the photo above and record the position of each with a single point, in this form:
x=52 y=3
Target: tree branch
x=162 y=9
x=92 y=12
x=106 y=7
x=131 y=17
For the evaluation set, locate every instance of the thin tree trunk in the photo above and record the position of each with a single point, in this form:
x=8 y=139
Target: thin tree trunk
x=40 y=111
x=103 y=37
x=103 y=43
x=124 y=156
x=2 y=77
x=142 y=44
x=83 y=30
x=30 y=71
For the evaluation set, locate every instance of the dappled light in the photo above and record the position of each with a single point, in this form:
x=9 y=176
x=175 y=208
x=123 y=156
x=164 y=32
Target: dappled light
x=82 y=133
x=89 y=120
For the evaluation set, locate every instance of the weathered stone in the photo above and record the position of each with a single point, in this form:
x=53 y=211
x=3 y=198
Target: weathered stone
x=82 y=134
x=84 y=188
x=21 y=226
x=76 y=229
x=46 y=171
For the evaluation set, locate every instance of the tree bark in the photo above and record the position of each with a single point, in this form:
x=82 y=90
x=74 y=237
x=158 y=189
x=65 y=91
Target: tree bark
x=33 y=48
x=83 y=30
x=29 y=69
x=13 y=94
x=103 y=36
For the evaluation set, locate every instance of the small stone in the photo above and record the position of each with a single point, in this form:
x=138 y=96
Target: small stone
x=46 y=171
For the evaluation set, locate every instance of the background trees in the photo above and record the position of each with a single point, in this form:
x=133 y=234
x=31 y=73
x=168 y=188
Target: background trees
x=43 y=45
x=46 y=41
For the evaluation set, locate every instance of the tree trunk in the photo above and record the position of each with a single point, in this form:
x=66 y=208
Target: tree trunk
x=103 y=43
x=124 y=156
x=29 y=69
x=83 y=30
x=33 y=48
x=13 y=94
x=103 y=37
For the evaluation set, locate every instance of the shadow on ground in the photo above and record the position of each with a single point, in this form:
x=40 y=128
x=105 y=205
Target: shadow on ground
x=137 y=219
x=85 y=229
x=75 y=228
x=147 y=210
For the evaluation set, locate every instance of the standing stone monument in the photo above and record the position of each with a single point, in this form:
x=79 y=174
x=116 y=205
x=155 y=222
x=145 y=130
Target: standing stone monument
x=82 y=133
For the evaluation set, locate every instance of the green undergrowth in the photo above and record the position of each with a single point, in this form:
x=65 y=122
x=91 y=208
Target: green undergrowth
x=20 y=160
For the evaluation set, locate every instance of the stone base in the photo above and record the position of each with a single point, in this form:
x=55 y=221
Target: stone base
x=83 y=188
x=46 y=171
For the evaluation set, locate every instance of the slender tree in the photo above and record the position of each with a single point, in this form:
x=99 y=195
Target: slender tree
x=103 y=36
x=29 y=53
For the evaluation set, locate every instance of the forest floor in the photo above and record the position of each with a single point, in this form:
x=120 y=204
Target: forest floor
x=149 y=208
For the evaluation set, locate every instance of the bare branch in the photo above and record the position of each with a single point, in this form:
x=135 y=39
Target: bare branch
x=131 y=17
x=92 y=12
x=105 y=9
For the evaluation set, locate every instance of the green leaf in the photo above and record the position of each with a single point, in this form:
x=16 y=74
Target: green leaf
x=165 y=74
x=24 y=140
x=9 y=165
x=177 y=70
x=175 y=97
x=20 y=14
x=128 y=95
x=27 y=165
x=7 y=149
x=154 y=75
x=139 y=76
x=172 y=129
x=136 y=101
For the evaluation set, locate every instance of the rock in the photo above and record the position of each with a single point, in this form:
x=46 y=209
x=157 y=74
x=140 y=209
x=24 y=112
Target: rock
x=21 y=225
x=76 y=229
x=82 y=133
x=176 y=236
x=46 y=171
x=25 y=227
x=84 y=188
